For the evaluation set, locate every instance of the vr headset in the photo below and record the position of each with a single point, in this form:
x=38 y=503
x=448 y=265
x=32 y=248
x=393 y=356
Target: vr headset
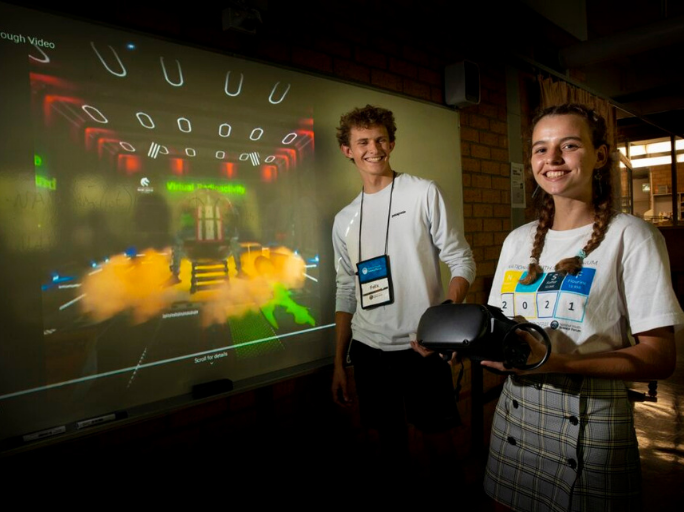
x=480 y=333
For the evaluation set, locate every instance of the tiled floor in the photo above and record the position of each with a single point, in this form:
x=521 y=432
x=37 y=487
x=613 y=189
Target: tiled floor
x=660 y=429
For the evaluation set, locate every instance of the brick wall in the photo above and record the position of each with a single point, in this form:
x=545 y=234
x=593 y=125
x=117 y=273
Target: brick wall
x=662 y=175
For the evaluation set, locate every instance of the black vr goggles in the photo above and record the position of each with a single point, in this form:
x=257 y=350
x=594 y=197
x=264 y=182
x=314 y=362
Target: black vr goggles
x=480 y=333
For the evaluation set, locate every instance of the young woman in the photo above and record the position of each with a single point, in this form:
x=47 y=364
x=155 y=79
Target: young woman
x=598 y=281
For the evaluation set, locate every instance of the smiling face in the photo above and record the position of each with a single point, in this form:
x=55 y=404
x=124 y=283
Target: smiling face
x=564 y=157
x=370 y=150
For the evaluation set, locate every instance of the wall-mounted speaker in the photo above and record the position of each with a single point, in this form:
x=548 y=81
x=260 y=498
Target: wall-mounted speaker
x=462 y=84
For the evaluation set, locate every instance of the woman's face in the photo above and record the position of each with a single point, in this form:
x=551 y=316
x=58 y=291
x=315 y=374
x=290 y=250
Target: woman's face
x=564 y=157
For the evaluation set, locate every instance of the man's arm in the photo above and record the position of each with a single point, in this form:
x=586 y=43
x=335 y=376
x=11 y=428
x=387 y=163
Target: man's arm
x=458 y=289
x=453 y=248
x=345 y=304
x=343 y=335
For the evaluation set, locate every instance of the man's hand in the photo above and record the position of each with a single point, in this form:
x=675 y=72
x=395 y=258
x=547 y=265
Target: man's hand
x=427 y=352
x=339 y=387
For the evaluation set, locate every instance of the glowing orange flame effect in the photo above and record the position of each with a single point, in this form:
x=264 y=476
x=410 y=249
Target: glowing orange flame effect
x=140 y=285
x=129 y=284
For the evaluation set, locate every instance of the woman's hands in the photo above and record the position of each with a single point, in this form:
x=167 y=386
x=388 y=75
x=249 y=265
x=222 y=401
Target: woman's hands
x=537 y=353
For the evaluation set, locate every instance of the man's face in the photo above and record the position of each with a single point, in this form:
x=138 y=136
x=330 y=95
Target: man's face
x=370 y=149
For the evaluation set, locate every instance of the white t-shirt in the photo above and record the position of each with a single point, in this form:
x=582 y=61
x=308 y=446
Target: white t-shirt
x=623 y=288
x=420 y=234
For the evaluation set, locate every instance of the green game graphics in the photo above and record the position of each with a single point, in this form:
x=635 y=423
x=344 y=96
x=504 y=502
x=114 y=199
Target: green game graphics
x=254 y=326
x=282 y=297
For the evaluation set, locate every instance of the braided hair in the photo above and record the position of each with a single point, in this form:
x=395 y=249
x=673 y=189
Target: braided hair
x=602 y=197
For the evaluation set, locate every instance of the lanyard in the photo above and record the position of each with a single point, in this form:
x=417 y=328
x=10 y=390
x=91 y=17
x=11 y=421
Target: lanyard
x=389 y=211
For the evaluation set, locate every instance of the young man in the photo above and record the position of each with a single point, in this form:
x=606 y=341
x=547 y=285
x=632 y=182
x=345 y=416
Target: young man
x=388 y=243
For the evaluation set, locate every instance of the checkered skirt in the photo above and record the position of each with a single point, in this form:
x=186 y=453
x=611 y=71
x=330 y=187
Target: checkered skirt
x=562 y=442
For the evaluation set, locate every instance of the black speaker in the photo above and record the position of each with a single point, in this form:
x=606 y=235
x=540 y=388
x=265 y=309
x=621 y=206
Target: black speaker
x=462 y=84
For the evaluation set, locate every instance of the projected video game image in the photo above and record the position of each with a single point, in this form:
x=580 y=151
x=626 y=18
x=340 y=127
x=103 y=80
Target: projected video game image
x=172 y=211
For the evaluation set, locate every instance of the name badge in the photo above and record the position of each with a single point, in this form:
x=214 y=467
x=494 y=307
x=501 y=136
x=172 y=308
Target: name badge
x=375 y=282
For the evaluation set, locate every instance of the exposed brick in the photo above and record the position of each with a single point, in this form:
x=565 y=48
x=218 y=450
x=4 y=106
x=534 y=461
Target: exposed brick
x=466 y=179
x=487 y=81
x=497 y=97
x=348 y=32
x=499 y=154
x=473 y=225
x=351 y=71
x=501 y=210
x=370 y=58
x=505 y=169
x=506 y=196
x=506 y=225
x=487 y=110
x=437 y=95
x=478 y=151
x=482 y=239
x=489 y=138
x=499 y=238
x=385 y=46
x=273 y=50
x=470 y=134
x=386 y=80
x=311 y=59
x=501 y=114
x=479 y=122
x=465 y=148
x=472 y=195
x=482 y=181
x=491 y=196
x=417 y=89
x=415 y=55
x=490 y=167
x=467 y=210
x=401 y=67
x=491 y=225
x=477 y=286
x=503 y=141
x=501 y=183
x=479 y=297
x=483 y=210
x=429 y=76
x=486 y=268
x=334 y=47
x=492 y=252
x=478 y=253
x=498 y=127
x=471 y=164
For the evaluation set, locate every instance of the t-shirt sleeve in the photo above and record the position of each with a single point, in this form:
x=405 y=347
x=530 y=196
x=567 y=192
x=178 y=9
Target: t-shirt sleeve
x=454 y=250
x=649 y=297
x=345 y=295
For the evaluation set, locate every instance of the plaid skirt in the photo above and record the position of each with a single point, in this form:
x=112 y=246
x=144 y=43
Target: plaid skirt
x=563 y=442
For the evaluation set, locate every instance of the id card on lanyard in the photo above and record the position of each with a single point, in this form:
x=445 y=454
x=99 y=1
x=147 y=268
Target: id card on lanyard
x=375 y=282
x=375 y=277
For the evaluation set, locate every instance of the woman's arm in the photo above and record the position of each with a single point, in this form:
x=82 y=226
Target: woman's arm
x=653 y=357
